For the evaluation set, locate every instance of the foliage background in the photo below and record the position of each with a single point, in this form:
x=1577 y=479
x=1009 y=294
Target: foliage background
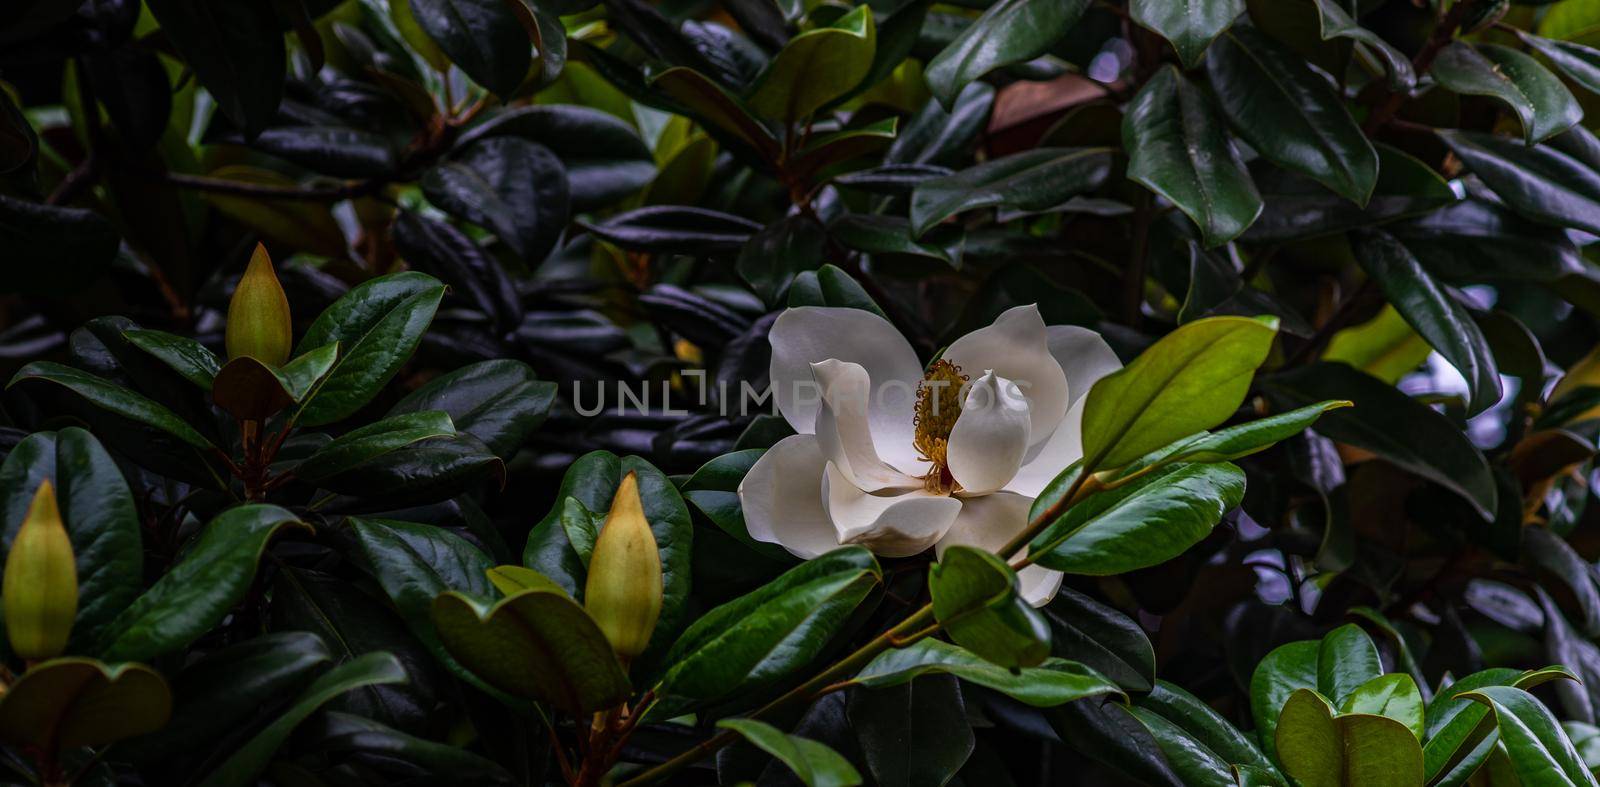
x=628 y=193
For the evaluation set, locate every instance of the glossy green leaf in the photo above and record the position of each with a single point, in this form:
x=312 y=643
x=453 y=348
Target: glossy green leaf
x=1385 y=346
x=1192 y=379
x=1433 y=313
x=812 y=762
x=816 y=67
x=1146 y=522
x=1336 y=22
x=1009 y=32
x=415 y=563
x=377 y=325
x=975 y=599
x=1241 y=440
x=593 y=482
x=508 y=184
x=1038 y=179
x=913 y=734
x=1557 y=182
x=98 y=511
x=228 y=687
x=362 y=445
x=716 y=106
x=1285 y=670
x=429 y=470
x=1202 y=746
x=1318 y=749
x=536 y=643
x=113 y=398
x=499 y=402
x=65 y=703
x=1298 y=207
x=1395 y=696
x=1190 y=25
x=1053 y=682
x=185 y=356
x=1539 y=750
x=484 y=38
x=198 y=592
x=1393 y=426
x=1101 y=638
x=1346 y=660
x=1178 y=147
x=1544 y=105
x=771 y=633
x=340 y=733
x=250 y=759
x=676 y=229
x=603 y=156
x=1458 y=728
x=1579 y=63
x=1290 y=114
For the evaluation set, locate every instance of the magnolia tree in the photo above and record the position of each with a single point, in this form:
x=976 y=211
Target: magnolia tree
x=614 y=392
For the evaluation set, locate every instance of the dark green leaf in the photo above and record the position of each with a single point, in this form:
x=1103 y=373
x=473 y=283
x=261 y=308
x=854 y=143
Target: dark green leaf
x=1393 y=426
x=1554 y=183
x=252 y=758
x=98 y=512
x=1035 y=180
x=1290 y=114
x=508 y=184
x=677 y=229
x=975 y=599
x=1054 y=682
x=912 y=734
x=771 y=633
x=482 y=37
x=359 y=446
x=200 y=590
x=1178 y=147
x=499 y=402
x=231 y=50
x=186 y=356
x=53 y=249
x=1544 y=105
x=1141 y=524
x=1189 y=24
x=109 y=396
x=817 y=67
x=377 y=325
x=1101 y=638
x=1009 y=32
x=1433 y=313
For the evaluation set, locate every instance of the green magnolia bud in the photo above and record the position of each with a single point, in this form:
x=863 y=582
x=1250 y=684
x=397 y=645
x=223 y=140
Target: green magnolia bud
x=258 y=315
x=40 y=593
x=623 y=593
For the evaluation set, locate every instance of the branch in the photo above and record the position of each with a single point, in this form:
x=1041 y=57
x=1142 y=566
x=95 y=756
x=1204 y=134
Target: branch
x=1443 y=33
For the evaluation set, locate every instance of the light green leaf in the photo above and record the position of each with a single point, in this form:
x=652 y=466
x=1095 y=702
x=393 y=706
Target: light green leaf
x=815 y=764
x=1053 y=682
x=975 y=598
x=816 y=67
x=1190 y=380
x=1189 y=24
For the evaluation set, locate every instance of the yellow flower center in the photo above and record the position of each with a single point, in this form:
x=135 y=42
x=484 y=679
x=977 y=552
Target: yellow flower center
x=938 y=407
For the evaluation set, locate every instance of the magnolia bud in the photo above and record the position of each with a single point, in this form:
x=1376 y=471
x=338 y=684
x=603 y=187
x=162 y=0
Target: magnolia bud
x=623 y=593
x=40 y=594
x=258 y=315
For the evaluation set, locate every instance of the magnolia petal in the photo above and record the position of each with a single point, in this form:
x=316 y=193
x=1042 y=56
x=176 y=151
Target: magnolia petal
x=897 y=525
x=843 y=431
x=1084 y=357
x=1049 y=458
x=1016 y=347
x=782 y=498
x=810 y=334
x=990 y=437
x=990 y=522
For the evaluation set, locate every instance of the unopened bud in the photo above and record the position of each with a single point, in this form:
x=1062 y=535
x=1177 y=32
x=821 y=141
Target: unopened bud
x=40 y=595
x=258 y=315
x=623 y=593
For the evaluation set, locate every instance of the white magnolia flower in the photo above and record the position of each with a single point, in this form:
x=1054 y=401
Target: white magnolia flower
x=898 y=458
